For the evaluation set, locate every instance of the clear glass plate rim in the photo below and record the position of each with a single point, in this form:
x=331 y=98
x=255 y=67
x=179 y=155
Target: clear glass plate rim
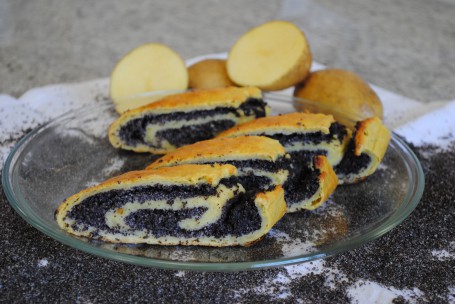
x=412 y=199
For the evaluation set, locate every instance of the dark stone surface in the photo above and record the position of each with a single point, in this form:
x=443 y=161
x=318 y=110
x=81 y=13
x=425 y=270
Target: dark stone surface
x=35 y=268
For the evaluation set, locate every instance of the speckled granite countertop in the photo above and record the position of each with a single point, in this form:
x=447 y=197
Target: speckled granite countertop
x=403 y=46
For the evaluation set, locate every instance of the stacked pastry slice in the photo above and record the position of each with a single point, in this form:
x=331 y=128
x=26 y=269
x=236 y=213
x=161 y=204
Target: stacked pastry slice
x=188 y=204
x=186 y=118
x=262 y=162
x=314 y=142
x=303 y=134
x=365 y=151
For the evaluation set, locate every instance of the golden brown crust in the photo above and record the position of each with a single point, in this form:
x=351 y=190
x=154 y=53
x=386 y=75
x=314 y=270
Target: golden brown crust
x=238 y=148
x=185 y=174
x=328 y=180
x=231 y=96
x=272 y=205
x=286 y=123
x=373 y=137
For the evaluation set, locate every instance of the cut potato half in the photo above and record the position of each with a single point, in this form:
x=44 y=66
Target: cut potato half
x=208 y=74
x=273 y=56
x=132 y=102
x=150 y=67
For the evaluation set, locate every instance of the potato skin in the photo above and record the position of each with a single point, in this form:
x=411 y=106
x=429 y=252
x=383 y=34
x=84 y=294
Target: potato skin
x=340 y=90
x=209 y=73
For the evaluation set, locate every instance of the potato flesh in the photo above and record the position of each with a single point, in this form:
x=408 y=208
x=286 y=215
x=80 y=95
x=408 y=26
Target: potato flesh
x=150 y=67
x=269 y=54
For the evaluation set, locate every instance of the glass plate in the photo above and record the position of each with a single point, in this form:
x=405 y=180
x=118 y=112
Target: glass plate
x=72 y=153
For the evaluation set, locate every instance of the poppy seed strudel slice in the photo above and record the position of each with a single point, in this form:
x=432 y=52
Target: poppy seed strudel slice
x=186 y=118
x=307 y=133
x=309 y=184
x=365 y=151
x=187 y=205
x=308 y=139
x=261 y=161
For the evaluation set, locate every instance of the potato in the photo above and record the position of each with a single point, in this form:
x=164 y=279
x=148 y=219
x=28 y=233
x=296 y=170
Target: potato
x=150 y=67
x=209 y=73
x=136 y=101
x=273 y=56
x=340 y=93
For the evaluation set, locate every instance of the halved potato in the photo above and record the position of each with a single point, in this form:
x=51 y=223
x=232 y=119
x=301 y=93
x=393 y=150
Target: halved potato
x=209 y=73
x=150 y=67
x=273 y=56
x=340 y=91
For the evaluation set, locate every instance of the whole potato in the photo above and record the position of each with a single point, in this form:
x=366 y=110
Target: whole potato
x=209 y=73
x=340 y=91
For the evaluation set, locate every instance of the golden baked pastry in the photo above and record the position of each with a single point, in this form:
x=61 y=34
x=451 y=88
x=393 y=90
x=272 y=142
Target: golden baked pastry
x=185 y=118
x=365 y=151
x=260 y=161
x=187 y=205
x=314 y=134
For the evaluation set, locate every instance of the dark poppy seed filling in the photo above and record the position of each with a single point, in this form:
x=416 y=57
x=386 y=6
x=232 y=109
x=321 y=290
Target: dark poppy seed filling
x=252 y=181
x=190 y=134
x=260 y=164
x=303 y=181
x=239 y=216
x=337 y=132
x=301 y=186
x=92 y=210
x=134 y=131
x=160 y=222
x=351 y=163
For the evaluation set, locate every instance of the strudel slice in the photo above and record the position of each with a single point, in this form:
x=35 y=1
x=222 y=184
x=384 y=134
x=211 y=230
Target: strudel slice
x=185 y=118
x=365 y=151
x=188 y=205
x=306 y=133
x=260 y=161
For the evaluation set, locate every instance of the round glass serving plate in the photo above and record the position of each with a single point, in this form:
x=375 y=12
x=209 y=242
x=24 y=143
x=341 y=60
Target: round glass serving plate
x=72 y=153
